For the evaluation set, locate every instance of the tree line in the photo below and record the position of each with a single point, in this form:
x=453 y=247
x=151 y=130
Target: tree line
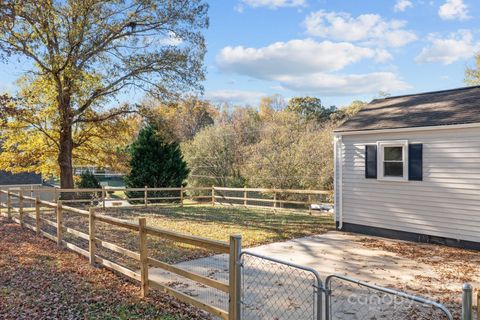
x=280 y=145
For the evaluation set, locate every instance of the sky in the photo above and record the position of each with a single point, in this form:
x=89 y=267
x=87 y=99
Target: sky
x=336 y=50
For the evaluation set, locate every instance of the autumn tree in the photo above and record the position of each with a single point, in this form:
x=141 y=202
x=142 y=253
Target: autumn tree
x=245 y=122
x=292 y=153
x=275 y=102
x=182 y=119
x=212 y=157
x=310 y=108
x=153 y=45
x=30 y=132
x=347 y=112
x=472 y=74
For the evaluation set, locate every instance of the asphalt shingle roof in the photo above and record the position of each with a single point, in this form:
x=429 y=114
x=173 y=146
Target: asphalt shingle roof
x=448 y=107
x=7 y=178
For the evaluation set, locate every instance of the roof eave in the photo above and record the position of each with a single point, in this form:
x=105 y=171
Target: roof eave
x=405 y=129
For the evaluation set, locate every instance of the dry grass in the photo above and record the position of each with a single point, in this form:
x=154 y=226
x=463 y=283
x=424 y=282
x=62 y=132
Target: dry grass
x=256 y=226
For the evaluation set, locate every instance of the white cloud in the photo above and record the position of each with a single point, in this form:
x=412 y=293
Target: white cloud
x=295 y=57
x=458 y=46
x=368 y=28
x=309 y=66
x=271 y=4
x=453 y=10
x=402 y=5
x=344 y=85
x=235 y=96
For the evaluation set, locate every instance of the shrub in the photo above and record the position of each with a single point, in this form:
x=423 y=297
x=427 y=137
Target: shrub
x=88 y=181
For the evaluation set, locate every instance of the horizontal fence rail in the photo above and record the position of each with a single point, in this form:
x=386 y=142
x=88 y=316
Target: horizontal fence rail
x=47 y=218
x=268 y=198
x=275 y=199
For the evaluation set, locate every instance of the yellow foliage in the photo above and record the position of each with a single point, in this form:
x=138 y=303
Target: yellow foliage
x=30 y=135
x=182 y=120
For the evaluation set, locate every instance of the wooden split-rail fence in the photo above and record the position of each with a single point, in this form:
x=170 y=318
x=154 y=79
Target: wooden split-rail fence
x=232 y=248
x=263 y=198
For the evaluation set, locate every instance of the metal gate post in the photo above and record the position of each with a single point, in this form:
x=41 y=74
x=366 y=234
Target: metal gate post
x=467 y=301
x=328 y=292
x=319 y=291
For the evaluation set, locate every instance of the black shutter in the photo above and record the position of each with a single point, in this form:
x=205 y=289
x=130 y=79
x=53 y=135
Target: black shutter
x=415 y=162
x=371 y=162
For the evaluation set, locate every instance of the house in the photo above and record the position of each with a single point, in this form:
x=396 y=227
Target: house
x=27 y=179
x=408 y=167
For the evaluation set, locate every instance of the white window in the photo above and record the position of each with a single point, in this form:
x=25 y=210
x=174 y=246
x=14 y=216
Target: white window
x=392 y=162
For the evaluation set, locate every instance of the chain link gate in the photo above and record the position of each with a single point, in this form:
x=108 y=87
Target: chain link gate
x=280 y=290
x=348 y=298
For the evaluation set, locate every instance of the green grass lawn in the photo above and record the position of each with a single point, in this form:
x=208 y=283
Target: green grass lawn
x=256 y=226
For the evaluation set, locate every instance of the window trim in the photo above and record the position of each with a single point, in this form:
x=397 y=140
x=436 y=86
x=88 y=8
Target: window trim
x=380 y=159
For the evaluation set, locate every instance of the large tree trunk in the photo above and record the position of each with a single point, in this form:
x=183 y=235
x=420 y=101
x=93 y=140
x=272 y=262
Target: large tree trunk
x=66 y=138
x=65 y=157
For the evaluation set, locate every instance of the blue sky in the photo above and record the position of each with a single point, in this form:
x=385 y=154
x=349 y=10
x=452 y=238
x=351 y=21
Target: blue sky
x=337 y=50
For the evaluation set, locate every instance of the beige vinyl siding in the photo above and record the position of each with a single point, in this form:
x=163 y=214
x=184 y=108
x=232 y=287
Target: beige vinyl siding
x=446 y=203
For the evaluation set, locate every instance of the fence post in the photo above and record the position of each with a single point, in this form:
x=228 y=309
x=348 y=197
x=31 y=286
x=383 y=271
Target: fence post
x=55 y=195
x=145 y=197
x=478 y=305
x=234 y=278
x=59 y=223
x=245 y=196
x=103 y=197
x=310 y=205
x=91 y=236
x=213 y=196
x=20 y=206
x=9 y=204
x=274 y=201
x=37 y=214
x=142 y=236
x=181 y=196
x=467 y=313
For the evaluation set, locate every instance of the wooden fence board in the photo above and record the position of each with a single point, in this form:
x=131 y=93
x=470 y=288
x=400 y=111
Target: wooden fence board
x=189 y=275
x=193 y=240
x=188 y=299
x=116 y=267
x=118 y=249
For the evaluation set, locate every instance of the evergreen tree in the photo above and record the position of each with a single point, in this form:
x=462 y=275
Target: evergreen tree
x=88 y=181
x=155 y=164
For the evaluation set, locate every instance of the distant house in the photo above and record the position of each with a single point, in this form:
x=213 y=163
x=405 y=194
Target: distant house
x=409 y=167
x=8 y=179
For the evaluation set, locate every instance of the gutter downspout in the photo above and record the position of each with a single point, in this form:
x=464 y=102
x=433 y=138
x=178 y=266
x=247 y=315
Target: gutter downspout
x=338 y=181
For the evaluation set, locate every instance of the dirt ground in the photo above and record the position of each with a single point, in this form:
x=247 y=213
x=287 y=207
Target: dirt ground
x=40 y=281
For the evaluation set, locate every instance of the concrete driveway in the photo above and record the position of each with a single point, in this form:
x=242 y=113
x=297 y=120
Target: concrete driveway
x=432 y=271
